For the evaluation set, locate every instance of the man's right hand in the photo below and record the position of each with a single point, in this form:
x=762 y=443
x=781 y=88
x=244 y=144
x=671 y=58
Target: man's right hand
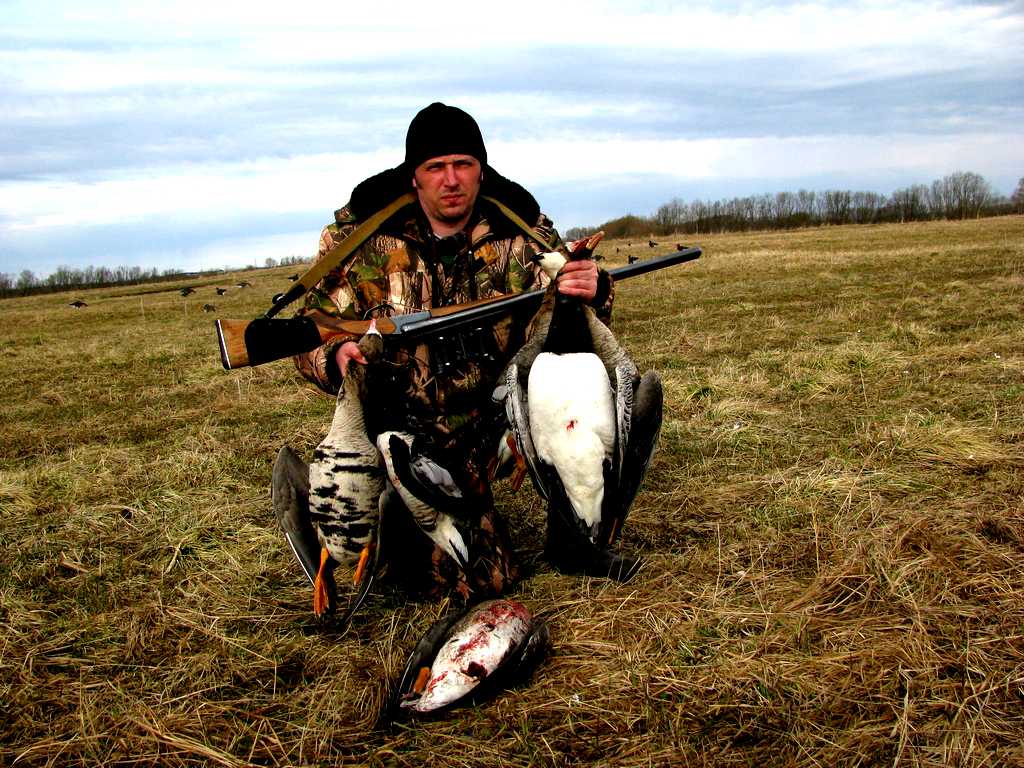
x=346 y=352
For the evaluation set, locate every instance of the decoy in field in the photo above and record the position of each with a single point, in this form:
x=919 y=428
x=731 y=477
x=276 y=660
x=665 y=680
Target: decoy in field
x=209 y=308
x=187 y=291
x=586 y=424
x=428 y=490
x=680 y=247
x=243 y=284
x=651 y=243
x=294 y=277
x=78 y=304
x=221 y=291
x=633 y=259
x=330 y=512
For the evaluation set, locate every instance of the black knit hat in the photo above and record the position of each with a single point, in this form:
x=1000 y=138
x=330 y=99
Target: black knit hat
x=442 y=130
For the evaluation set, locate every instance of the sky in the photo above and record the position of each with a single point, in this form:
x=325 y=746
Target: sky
x=197 y=135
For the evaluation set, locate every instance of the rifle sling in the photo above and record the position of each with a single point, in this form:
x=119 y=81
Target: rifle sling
x=337 y=254
x=360 y=234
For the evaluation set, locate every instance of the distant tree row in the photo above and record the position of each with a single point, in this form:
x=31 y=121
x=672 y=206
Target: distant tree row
x=63 y=278
x=286 y=261
x=68 y=278
x=960 y=195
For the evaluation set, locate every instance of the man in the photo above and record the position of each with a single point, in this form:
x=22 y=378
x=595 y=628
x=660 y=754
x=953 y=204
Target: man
x=470 y=235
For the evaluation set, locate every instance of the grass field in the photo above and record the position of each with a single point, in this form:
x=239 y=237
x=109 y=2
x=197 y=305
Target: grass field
x=833 y=524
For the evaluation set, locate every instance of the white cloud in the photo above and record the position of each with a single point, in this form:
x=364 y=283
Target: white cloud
x=323 y=182
x=547 y=162
x=199 y=194
x=133 y=95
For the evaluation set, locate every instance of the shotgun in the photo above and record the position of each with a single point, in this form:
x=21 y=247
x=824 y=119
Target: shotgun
x=254 y=342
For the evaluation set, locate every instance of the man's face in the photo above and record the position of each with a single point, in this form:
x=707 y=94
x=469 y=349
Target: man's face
x=447 y=187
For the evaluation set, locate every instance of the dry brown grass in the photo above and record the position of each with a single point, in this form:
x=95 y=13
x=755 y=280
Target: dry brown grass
x=834 y=527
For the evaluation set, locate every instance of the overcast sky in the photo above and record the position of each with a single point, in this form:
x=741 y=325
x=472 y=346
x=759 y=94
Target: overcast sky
x=213 y=134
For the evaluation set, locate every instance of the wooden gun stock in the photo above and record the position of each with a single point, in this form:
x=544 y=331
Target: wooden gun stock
x=263 y=340
x=254 y=342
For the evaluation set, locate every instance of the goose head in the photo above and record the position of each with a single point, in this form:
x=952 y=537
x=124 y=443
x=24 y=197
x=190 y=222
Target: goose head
x=372 y=343
x=550 y=262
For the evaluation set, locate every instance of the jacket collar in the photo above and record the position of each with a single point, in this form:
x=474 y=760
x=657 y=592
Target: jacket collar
x=374 y=193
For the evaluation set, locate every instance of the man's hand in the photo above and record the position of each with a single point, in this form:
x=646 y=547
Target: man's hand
x=578 y=278
x=346 y=352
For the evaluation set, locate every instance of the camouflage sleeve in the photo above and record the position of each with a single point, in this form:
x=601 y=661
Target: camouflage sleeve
x=334 y=295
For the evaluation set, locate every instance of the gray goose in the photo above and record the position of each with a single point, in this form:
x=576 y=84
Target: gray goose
x=330 y=512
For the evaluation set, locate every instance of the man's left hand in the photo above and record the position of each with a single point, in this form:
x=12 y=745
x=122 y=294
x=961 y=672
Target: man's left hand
x=578 y=278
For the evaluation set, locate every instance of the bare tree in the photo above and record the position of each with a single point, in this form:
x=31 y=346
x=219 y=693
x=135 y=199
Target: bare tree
x=1018 y=197
x=969 y=193
x=940 y=199
x=837 y=206
x=671 y=216
x=910 y=203
x=26 y=280
x=865 y=207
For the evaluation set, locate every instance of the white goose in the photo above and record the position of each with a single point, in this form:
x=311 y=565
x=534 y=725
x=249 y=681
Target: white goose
x=586 y=425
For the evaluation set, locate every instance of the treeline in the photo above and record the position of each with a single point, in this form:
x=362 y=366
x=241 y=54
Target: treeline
x=960 y=195
x=26 y=282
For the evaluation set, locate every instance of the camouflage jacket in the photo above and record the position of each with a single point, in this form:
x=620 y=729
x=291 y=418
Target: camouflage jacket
x=404 y=268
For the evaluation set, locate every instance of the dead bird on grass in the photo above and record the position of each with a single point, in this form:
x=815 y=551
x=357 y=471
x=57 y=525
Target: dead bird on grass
x=470 y=654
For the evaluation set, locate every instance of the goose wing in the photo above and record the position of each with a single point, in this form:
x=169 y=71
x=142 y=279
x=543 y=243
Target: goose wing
x=635 y=454
x=624 y=383
x=517 y=412
x=420 y=475
x=289 y=491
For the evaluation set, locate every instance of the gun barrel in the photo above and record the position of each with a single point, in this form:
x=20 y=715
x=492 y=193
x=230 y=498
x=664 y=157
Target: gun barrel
x=254 y=342
x=659 y=262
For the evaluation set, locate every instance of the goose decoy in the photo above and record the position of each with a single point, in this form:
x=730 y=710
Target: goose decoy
x=633 y=259
x=221 y=291
x=680 y=247
x=586 y=424
x=187 y=291
x=651 y=243
x=209 y=308
x=428 y=490
x=243 y=284
x=294 y=277
x=78 y=304
x=330 y=512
